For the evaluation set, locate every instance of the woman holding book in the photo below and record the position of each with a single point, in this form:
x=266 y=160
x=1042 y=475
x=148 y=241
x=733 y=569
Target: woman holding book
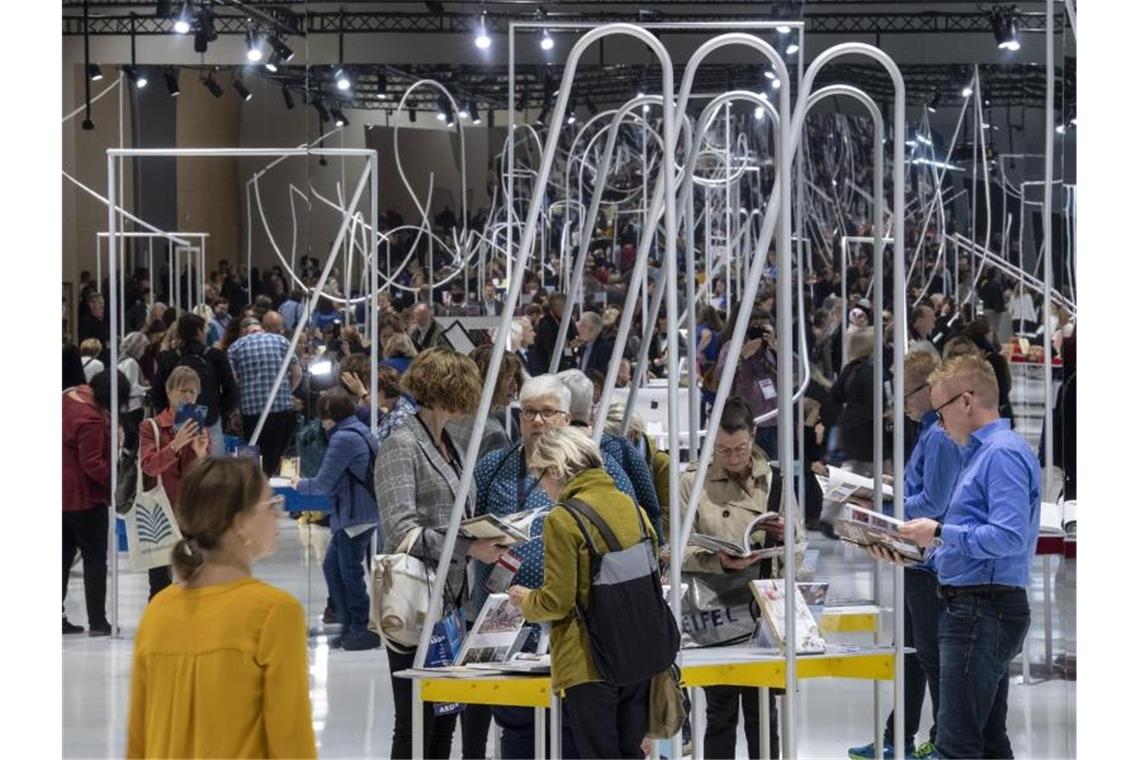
x=739 y=487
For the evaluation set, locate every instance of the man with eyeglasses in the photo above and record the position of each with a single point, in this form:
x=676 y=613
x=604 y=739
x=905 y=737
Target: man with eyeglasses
x=505 y=486
x=983 y=550
x=739 y=485
x=931 y=471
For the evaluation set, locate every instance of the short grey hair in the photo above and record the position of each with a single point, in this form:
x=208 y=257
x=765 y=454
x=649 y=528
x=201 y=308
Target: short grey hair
x=581 y=393
x=564 y=452
x=592 y=318
x=546 y=385
x=860 y=343
x=616 y=416
x=516 y=332
x=134 y=345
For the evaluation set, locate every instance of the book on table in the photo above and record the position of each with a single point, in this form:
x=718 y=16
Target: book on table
x=767 y=521
x=505 y=529
x=769 y=595
x=841 y=485
x=1059 y=519
x=864 y=527
x=497 y=634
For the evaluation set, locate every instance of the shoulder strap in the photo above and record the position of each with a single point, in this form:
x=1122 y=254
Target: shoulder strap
x=371 y=458
x=585 y=510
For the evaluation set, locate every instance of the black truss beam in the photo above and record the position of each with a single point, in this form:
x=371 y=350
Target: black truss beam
x=372 y=22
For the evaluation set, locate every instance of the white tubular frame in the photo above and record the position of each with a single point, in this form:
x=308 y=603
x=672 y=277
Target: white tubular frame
x=368 y=176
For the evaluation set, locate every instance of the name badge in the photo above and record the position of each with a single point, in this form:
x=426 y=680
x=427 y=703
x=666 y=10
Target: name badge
x=768 y=388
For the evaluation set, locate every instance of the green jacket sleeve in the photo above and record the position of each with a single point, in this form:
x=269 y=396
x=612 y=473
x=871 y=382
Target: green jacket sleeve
x=562 y=545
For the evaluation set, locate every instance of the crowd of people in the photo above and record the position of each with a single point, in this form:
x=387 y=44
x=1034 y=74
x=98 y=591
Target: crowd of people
x=971 y=487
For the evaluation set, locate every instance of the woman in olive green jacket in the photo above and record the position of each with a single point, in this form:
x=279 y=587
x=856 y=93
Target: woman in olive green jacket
x=608 y=720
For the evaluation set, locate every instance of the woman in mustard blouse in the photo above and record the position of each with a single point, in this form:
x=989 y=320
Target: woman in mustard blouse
x=221 y=661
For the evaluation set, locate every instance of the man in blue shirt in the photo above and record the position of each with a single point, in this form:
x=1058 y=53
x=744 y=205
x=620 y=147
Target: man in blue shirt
x=983 y=551
x=931 y=471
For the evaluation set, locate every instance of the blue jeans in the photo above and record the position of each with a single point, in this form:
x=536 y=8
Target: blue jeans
x=978 y=638
x=921 y=618
x=344 y=574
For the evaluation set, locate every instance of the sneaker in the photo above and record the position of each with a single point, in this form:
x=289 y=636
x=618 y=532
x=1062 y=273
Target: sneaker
x=925 y=750
x=867 y=751
x=69 y=627
x=360 y=640
x=96 y=630
x=329 y=615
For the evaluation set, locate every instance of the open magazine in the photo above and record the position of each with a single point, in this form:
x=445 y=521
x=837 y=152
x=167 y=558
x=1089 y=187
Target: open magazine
x=1059 y=519
x=769 y=596
x=767 y=521
x=506 y=529
x=841 y=485
x=497 y=633
x=864 y=527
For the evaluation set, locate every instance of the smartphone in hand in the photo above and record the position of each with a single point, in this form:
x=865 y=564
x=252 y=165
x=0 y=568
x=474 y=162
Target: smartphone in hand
x=188 y=412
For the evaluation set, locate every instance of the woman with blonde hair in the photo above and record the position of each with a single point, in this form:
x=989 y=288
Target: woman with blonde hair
x=221 y=662
x=399 y=352
x=416 y=478
x=131 y=351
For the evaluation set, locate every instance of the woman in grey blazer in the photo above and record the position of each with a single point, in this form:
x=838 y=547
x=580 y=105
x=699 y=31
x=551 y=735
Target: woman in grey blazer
x=417 y=475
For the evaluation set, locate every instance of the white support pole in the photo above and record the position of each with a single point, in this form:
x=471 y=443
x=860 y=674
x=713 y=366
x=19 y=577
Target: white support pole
x=1047 y=227
x=112 y=303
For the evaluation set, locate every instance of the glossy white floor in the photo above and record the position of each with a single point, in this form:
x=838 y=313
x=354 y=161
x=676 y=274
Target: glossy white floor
x=351 y=694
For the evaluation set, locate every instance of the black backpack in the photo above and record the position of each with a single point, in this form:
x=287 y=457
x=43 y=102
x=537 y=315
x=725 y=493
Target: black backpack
x=633 y=635
x=207 y=382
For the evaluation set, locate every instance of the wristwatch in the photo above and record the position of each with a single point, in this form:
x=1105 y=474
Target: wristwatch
x=937 y=540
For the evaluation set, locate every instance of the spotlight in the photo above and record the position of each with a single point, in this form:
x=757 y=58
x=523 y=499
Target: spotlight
x=547 y=41
x=968 y=89
x=171 y=83
x=475 y=118
x=443 y=108
x=1005 y=30
x=338 y=117
x=759 y=112
x=136 y=75
x=571 y=118
x=182 y=23
x=242 y=90
x=88 y=124
x=322 y=112
x=792 y=49
x=253 y=51
x=94 y=73
x=441 y=116
x=271 y=65
x=283 y=52
x=212 y=85
x=770 y=74
x=775 y=84
x=936 y=101
x=381 y=87
x=482 y=41
x=465 y=110
x=1061 y=128
x=342 y=80
x=783 y=29
x=764 y=96
x=288 y=97
x=412 y=115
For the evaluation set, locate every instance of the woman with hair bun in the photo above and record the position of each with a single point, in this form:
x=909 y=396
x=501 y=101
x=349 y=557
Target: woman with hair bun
x=221 y=664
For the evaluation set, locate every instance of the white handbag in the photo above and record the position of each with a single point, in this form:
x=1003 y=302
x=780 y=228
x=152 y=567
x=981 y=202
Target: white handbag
x=152 y=531
x=401 y=590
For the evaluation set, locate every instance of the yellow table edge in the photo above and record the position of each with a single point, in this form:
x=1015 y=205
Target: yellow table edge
x=856 y=622
x=534 y=691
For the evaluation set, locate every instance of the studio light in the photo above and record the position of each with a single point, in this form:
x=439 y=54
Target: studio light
x=475 y=118
x=443 y=108
x=783 y=29
x=288 y=98
x=464 y=111
x=242 y=90
x=136 y=75
x=171 y=83
x=571 y=118
x=381 y=87
x=342 y=80
x=968 y=90
x=547 y=41
x=441 y=116
x=94 y=73
x=1005 y=29
x=770 y=74
x=792 y=49
x=936 y=101
x=212 y=85
x=338 y=117
x=253 y=51
x=775 y=84
x=759 y=112
x=182 y=23
x=283 y=52
x=482 y=41
x=271 y=65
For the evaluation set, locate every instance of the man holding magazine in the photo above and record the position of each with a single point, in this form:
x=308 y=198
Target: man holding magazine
x=983 y=550
x=931 y=470
x=739 y=487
